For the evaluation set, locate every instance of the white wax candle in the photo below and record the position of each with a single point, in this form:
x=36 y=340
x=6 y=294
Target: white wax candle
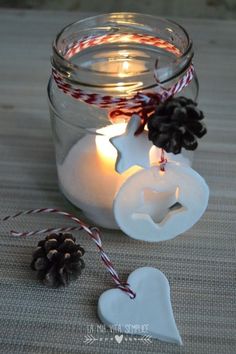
x=88 y=178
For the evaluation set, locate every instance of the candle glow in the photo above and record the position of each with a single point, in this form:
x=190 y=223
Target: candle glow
x=105 y=149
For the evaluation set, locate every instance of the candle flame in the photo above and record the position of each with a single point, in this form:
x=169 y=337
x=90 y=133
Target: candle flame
x=125 y=66
x=124 y=71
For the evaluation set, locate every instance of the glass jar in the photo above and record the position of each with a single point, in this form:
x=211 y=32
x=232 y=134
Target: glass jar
x=112 y=55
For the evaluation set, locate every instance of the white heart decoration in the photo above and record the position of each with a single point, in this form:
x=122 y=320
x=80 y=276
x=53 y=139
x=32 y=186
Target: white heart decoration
x=119 y=338
x=152 y=205
x=150 y=308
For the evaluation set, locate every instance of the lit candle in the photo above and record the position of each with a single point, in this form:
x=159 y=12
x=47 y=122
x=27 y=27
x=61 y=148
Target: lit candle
x=122 y=67
x=87 y=176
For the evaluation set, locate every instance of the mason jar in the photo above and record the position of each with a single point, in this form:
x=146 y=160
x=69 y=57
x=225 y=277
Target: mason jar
x=98 y=63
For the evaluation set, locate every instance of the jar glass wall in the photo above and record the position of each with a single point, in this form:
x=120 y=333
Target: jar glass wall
x=117 y=56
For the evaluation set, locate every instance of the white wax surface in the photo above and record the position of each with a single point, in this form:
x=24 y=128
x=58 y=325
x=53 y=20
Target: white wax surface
x=88 y=178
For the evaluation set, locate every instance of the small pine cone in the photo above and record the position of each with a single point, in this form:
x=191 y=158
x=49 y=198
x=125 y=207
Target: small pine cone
x=175 y=124
x=57 y=259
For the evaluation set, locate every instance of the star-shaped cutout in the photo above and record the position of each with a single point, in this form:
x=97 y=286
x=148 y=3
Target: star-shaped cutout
x=132 y=149
x=159 y=205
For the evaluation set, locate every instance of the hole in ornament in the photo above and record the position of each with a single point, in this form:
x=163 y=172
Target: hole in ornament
x=159 y=205
x=175 y=206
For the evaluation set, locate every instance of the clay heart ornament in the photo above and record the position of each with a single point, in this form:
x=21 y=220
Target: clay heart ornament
x=150 y=308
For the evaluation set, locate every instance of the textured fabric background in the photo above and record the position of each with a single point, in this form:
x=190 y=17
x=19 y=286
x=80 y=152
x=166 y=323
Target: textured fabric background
x=200 y=264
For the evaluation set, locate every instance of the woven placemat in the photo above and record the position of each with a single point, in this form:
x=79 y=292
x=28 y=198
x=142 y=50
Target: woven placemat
x=200 y=264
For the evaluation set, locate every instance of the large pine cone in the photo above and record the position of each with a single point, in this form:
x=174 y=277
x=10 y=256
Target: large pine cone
x=176 y=124
x=58 y=259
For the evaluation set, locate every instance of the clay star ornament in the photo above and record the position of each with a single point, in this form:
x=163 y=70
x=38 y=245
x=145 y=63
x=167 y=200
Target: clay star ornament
x=132 y=149
x=159 y=205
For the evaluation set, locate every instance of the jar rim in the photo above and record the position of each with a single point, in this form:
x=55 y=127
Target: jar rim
x=64 y=64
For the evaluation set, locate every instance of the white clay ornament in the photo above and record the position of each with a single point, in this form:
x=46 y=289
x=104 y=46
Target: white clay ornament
x=132 y=149
x=154 y=205
x=150 y=308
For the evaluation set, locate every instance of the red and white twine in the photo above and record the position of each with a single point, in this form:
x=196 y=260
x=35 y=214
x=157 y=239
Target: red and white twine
x=90 y=41
x=93 y=232
x=140 y=99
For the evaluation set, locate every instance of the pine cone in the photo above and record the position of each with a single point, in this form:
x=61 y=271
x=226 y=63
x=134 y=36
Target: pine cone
x=57 y=259
x=176 y=124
